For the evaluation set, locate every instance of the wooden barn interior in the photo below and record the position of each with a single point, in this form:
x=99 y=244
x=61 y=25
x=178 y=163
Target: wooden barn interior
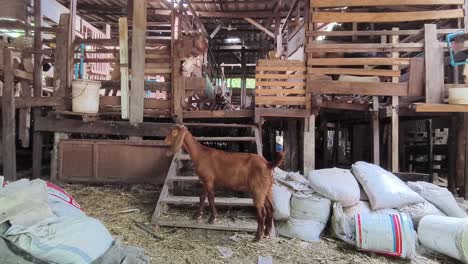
x=330 y=82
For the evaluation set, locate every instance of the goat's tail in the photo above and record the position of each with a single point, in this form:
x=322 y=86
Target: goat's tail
x=277 y=161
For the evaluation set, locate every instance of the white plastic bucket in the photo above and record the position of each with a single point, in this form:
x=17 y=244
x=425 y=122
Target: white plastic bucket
x=458 y=96
x=388 y=234
x=446 y=235
x=85 y=96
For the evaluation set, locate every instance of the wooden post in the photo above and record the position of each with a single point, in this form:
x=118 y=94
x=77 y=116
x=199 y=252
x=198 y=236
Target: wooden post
x=309 y=144
x=460 y=179
x=430 y=152
x=279 y=38
x=24 y=119
x=37 y=89
x=54 y=156
x=123 y=43
x=465 y=150
x=452 y=154
x=138 y=60
x=8 y=118
x=243 y=79
x=395 y=118
x=375 y=131
x=434 y=66
x=61 y=59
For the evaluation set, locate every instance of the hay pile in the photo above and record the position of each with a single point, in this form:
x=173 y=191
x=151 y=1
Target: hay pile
x=114 y=207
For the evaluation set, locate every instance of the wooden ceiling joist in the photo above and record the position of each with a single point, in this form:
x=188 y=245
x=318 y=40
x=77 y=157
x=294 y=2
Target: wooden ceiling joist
x=338 y=17
x=262 y=28
x=349 y=3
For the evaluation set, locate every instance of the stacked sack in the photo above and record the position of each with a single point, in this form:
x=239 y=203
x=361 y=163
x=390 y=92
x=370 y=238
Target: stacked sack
x=372 y=209
x=43 y=220
x=299 y=211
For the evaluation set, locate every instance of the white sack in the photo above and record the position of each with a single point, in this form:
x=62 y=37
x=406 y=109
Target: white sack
x=336 y=184
x=309 y=216
x=446 y=235
x=281 y=196
x=310 y=207
x=440 y=197
x=419 y=210
x=279 y=174
x=307 y=230
x=384 y=189
x=24 y=202
x=66 y=240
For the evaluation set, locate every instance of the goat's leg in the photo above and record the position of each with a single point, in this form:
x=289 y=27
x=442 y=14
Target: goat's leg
x=269 y=213
x=260 y=223
x=198 y=215
x=214 y=214
x=268 y=218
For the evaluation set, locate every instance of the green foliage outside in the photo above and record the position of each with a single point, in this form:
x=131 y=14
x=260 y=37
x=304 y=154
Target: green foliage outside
x=236 y=83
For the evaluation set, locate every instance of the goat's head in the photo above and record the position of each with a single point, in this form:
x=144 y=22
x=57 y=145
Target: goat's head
x=175 y=139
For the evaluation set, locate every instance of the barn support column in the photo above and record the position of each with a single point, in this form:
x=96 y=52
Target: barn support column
x=138 y=61
x=243 y=79
x=309 y=144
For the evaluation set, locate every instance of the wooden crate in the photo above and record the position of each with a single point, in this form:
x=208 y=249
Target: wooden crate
x=326 y=57
x=280 y=84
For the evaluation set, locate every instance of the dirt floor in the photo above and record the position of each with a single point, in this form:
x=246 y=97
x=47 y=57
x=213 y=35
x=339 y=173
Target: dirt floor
x=115 y=207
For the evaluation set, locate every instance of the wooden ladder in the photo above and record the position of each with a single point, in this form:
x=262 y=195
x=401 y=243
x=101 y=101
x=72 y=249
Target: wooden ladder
x=167 y=198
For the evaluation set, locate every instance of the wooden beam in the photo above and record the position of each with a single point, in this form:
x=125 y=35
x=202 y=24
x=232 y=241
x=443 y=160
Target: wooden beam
x=8 y=118
x=197 y=18
x=353 y=71
x=117 y=128
x=344 y=3
x=344 y=106
x=293 y=6
x=438 y=108
x=262 y=28
x=215 y=31
x=219 y=114
x=388 y=17
x=138 y=61
x=309 y=144
x=375 y=124
x=124 y=89
x=361 y=88
x=37 y=88
x=378 y=32
x=434 y=57
x=395 y=118
x=357 y=61
x=218 y=14
x=61 y=72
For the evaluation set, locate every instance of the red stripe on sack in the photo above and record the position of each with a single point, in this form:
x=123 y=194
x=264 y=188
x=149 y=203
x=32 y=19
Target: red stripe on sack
x=398 y=234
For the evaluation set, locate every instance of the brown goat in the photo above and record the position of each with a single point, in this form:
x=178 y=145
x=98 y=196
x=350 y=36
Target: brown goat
x=236 y=171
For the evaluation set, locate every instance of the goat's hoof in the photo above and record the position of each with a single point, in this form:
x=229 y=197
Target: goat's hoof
x=197 y=216
x=212 y=220
x=256 y=239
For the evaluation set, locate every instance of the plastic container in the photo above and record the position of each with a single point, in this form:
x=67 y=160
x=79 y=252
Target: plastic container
x=446 y=235
x=85 y=95
x=458 y=96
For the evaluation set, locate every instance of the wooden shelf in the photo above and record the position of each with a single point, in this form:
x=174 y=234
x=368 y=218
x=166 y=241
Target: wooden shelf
x=435 y=108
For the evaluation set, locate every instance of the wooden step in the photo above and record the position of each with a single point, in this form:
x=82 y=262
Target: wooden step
x=224 y=139
x=184 y=179
x=193 y=200
x=236 y=227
